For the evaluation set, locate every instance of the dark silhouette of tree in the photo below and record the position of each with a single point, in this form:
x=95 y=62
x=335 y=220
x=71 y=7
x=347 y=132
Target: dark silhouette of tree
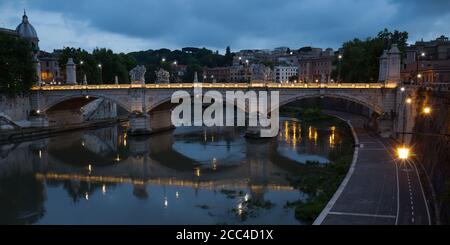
x=360 y=62
x=17 y=71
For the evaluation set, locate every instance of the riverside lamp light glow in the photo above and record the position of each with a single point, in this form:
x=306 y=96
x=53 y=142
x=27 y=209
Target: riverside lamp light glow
x=427 y=110
x=403 y=153
x=408 y=101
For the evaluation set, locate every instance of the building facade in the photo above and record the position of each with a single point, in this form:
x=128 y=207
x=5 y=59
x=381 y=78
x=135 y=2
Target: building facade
x=282 y=74
x=50 y=69
x=316 y=69
x=217 y=74
x=427 y=62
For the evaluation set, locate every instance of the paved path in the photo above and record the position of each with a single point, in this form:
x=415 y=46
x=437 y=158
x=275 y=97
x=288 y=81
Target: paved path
x=378 y=190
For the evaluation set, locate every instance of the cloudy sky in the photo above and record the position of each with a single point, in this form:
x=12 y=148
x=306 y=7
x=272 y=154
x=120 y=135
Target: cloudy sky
x=130 y=25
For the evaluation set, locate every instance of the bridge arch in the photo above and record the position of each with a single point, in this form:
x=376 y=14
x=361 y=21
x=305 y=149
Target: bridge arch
x=166 y=103
x=373 y=107
x=91 y=97
x=286 y=99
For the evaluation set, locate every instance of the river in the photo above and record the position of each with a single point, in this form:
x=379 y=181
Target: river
x=185 y=176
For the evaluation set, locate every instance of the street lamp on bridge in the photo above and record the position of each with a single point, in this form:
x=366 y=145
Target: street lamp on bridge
x=340 y=61
x=100 y=66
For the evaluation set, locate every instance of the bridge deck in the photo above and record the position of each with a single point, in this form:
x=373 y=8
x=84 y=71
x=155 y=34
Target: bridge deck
x=221 y=86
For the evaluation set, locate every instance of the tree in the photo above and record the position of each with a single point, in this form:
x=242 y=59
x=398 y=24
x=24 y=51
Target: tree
x=112 y=65
x=17 y=70
x=228 y=56
x=194 y=58
x=360 y=62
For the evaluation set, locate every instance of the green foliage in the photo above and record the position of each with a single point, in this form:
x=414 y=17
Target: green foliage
x=194 y=58
x=360 y=61
x=17 y=71
x=112 y=65
x=320 y=181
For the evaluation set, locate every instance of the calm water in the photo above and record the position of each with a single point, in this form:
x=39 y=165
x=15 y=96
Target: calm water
x=187 y=176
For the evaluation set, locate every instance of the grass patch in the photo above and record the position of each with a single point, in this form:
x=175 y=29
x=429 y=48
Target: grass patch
x=320 y=181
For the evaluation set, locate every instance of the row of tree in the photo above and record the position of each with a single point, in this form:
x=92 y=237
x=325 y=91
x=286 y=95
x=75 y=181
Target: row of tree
x=193 y=58
x=100 y=67
x=360 y=58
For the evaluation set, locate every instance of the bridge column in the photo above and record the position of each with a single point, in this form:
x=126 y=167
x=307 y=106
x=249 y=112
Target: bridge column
x=139 y=119
x=161 y=121
x=386 y=126
x=406 y=113
x=139 y=124
x=38 y=120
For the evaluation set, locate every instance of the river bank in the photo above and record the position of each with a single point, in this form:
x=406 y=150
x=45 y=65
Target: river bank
x=320 y=181
x=23 y=134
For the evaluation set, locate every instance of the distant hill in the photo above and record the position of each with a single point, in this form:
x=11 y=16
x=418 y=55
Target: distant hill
x=193 y=58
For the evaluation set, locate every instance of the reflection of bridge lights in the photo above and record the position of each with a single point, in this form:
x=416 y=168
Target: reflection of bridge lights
x=117 y=158
x=166 y=202
x=90 y=168
x=286 y=131
x=125 y=136
x=240 y=208
x=197 y=172
x=214 y=164
x=332 y=140
x=247 y=197
x=40 y=154
x=104 y=189
x=177 y=194
x=313 y=135
x=86 y=196
x=294 y=135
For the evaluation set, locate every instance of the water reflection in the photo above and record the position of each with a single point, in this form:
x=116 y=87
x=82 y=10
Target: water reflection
x=188 y=176
x=305 y=142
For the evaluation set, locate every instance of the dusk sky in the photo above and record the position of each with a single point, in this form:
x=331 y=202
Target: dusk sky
x=132 y=25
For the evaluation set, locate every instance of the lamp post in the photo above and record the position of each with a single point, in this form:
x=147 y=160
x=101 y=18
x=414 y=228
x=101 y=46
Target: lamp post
x=82 y=70
x=100 y=66
x=339 y=68
x=422 y=54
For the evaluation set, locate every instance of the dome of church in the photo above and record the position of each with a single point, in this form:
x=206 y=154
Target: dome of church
x=27 y=31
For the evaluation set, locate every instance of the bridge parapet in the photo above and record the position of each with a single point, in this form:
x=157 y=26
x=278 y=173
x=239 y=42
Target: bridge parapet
x=219 y=86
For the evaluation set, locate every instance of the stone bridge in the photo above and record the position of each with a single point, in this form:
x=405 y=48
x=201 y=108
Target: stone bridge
x=153 y=100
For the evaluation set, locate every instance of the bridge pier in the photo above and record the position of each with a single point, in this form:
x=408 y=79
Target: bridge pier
x=139 y=124
x=255 y=132
x=39 y=121
x=154 y=122
x=385 y=127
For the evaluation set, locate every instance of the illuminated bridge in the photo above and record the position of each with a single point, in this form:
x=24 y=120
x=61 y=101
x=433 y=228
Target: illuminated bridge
x=153 y=100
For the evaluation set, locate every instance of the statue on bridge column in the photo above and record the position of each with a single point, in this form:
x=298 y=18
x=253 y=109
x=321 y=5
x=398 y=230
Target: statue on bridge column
x=162 y=76
x=137 y=75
